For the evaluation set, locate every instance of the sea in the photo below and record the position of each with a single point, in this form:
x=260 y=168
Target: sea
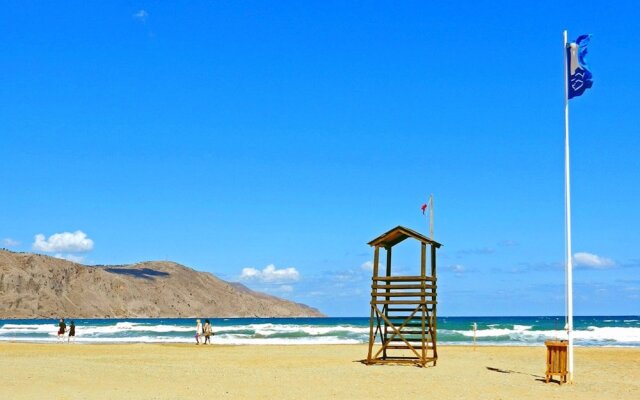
x=611 y=331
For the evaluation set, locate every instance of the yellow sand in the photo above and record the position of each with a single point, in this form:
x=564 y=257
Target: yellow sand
x=155 y=371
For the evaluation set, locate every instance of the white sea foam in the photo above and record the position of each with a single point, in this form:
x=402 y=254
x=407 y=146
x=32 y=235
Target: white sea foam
x=269 y=329
x=613 y=334
x=118 y=328
x=80 y=339
x=123 y=327
x=273 y=333
x=267 y=333
x=28 y=328
x=591 y=334
x=230 y=339
x=494 y=332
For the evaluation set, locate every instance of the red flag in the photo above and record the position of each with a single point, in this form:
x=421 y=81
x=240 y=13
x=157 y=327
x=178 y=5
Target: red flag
x=423 y=208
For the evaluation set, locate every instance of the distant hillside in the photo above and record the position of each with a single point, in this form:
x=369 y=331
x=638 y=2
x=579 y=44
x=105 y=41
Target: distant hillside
x=38 y=286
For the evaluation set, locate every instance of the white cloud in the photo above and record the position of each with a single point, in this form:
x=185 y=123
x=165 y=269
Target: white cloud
x=592 y=261
x=270 y=274
x=8 y=242
x=281 y=290
x=457 y=269
x=473 y=252
x=141 y=15
x=368 y=266
x=70 y=257
x=286 y=288
x=382 y=268
x=249 y=273
x=65 y=242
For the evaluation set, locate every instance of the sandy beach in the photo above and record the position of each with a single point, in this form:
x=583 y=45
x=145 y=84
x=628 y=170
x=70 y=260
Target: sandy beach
x=164 y=371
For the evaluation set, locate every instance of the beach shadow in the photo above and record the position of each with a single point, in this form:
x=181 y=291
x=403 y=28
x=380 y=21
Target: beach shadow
x=395 y=364
x=556 y=381
x=509 y=371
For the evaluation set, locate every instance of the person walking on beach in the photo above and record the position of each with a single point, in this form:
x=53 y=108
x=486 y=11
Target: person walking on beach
x=207 y=331
x=62 y=327
x=72 y=332
x=198 y=331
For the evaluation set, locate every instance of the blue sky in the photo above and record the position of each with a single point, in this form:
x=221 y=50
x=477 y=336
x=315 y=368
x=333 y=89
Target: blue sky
x=234 y=136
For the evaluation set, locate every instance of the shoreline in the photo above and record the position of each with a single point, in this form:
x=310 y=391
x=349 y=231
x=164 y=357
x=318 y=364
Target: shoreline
x=237 y=317
x=178 y=370
x=613 y=331
x=189 y=344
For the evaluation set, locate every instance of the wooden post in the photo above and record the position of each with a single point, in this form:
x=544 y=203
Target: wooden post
x=423 y=273
x=376 y=257
x=433 y=261
x=434 y=314
x=375 y=275
x=386 y=306
x=475 y=328
x=423 y=260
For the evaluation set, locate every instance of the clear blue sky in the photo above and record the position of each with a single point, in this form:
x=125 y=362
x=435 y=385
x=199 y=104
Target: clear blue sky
x=238 y=135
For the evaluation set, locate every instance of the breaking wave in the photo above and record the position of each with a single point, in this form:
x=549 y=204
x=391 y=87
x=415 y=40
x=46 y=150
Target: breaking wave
x=507 y=331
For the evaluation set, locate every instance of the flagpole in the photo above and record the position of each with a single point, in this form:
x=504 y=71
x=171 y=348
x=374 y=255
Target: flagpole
x=567 y=199
x=431 y=216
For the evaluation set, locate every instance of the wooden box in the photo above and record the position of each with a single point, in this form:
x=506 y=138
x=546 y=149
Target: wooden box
x=556 y=360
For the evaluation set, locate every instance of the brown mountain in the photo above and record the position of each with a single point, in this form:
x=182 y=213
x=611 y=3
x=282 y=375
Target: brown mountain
x=38 y=286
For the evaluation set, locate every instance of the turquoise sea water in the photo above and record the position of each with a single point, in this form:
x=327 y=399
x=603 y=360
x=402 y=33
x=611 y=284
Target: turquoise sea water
x=509 y=331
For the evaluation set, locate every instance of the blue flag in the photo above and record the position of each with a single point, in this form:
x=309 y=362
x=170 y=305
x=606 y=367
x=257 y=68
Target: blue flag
x=579 y=78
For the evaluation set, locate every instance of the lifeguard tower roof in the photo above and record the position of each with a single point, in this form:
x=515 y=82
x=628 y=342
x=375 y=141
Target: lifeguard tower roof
x=397 y=235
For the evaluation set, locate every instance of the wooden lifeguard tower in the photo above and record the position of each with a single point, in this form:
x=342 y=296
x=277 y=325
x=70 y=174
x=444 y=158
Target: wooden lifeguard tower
x=403 y=308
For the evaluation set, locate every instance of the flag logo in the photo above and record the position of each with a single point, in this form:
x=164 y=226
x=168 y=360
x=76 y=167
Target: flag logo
x=578 y=75
x=423 y=208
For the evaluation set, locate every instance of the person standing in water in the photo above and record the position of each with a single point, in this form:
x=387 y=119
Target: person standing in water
x=198 y=331
x=72 y=332
x=207 y=331
x=62 y=327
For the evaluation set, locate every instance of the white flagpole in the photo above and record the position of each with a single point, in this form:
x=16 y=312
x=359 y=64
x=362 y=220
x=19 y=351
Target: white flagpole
x=567 y=198
x=431 y=216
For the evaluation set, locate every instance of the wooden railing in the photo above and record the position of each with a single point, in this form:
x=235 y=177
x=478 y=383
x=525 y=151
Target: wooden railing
x=405 y=309
x=403 y=290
